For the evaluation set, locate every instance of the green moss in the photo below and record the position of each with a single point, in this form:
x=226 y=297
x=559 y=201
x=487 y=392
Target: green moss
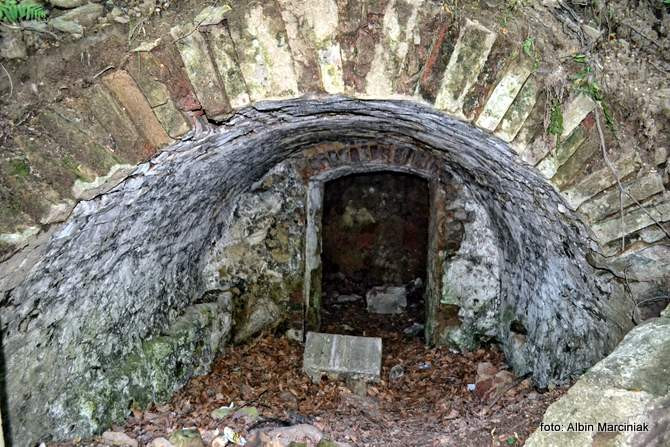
x=73 y=167
x=19 y=168
x=555 y=119
x=467 y=56
x=508 y=315
x=150 y=372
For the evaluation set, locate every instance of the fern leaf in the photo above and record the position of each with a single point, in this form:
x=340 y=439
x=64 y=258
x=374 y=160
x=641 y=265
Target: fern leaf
x=11 y=11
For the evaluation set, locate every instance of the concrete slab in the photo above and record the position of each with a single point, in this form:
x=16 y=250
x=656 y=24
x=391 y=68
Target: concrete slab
x=386 y=300
x=343 y=357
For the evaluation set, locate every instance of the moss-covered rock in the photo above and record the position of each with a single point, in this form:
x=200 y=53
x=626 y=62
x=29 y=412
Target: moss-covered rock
x=154 y=369
x=187 y=437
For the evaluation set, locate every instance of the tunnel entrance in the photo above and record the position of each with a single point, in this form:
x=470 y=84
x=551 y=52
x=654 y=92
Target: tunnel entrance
x=374 y=253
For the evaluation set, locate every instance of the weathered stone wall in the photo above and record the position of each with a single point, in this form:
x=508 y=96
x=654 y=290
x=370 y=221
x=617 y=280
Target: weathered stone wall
x=630 y=386
x=260 y=258
x=471 y=278
x=127 y=263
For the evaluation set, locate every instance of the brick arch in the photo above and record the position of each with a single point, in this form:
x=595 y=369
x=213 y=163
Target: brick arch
x=323 y=165
x=217 y=63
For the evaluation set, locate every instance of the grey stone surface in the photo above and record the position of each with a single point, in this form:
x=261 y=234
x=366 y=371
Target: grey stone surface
x=471 y=278
x=77 y=19
x=128 y=262
x=386 y=300
x=260 y=258
x=67 y=4
x=342 y=357
x=12 y=45
x=631 y=385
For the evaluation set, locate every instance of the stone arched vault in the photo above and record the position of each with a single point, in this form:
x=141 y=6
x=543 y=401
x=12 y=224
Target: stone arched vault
x=128 y=261
x=120 y=288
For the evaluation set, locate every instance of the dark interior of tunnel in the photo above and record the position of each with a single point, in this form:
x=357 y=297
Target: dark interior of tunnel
x=375 y=242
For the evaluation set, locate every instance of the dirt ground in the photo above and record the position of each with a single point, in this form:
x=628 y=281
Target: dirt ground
x=425 y=401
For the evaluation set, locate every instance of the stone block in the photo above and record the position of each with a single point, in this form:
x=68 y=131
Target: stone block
x=564 y=150
x=575 y=167
x=124 y=137
x=311 y=26
x=574 y=112
x=443 y=41
x=633 y=220
x=200 y=70
x=342 y=357
x=400 y=20
x=148 y=71
x=601 y=180
x=128 y=94
x=466 y=62
x=608 y=203
x=225 y=57
x=386 y=300
x=504 y=94
x=263 y=52
x=516 y=115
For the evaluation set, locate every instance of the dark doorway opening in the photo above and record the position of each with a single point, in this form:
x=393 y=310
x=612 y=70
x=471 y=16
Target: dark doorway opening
x=374 y=253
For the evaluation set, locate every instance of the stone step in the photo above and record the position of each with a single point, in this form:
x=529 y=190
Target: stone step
x=608 y=203
x=635 y=219
x=518 y=111
x=225 y=57
x=129 y=96
x=601 y=180
x=564 y=150
x=342 y=357
x=577 y=165
x=504 y=94
x=261 y=43
x=534 y=145
x=123 y=137
x=433 y=69
x=574 y=113
x=532 y=130
x=200 y=70
x=311 y=26
x=499 y=60
x=465 y=64
x=399 y=29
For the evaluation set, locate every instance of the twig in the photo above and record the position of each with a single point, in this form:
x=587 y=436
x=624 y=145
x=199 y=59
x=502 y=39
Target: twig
x=622 y=190
x=629 y=293
x=26 y=26
x=656 y=298
x=516 y=382
x=133 y=30
x=639 y=33
x=192 y=31
x=103 y=70
x=11 y=84
x=660 y=69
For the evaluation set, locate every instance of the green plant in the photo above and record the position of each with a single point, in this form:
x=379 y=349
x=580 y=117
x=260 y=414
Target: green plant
x=528 y=46
x=555 y=119
x=529 y=50
x=585 y=82
x=12 y=12
x=515 y=4
x=580 y=58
